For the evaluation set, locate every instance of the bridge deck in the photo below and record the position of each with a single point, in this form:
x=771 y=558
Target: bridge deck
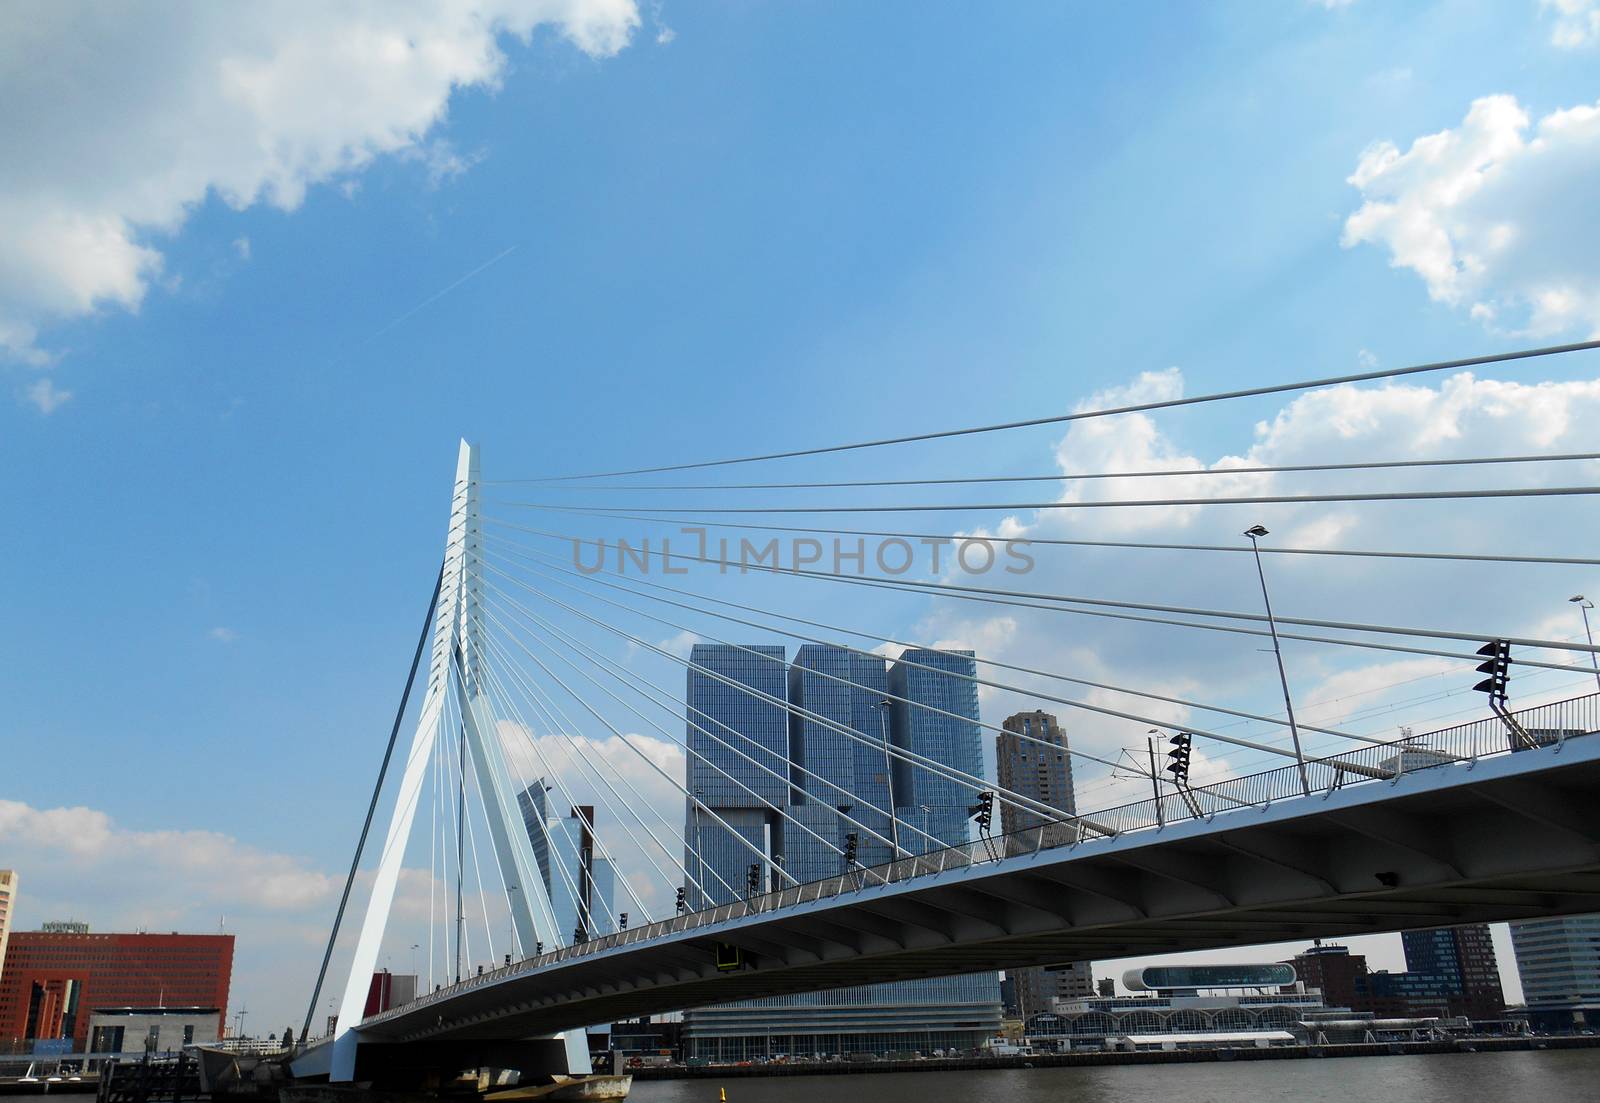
x=1465 y=840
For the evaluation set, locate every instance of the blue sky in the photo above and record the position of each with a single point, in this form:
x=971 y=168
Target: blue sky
x=687 y=232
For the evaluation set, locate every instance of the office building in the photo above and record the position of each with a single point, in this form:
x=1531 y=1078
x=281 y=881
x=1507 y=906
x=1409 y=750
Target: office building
x=1334 y=971
x=1463 y=960
x=1559 y=961
x=578 y=882
x=1031 y=759
x=8 y=906
x=738 y=769
x=829 y=775
x=53 y=980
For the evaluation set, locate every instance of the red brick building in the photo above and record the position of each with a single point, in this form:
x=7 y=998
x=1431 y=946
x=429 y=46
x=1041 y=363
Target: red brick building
x=54 y=981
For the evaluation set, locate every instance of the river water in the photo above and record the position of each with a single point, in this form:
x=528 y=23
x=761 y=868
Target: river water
x=1518 y=1077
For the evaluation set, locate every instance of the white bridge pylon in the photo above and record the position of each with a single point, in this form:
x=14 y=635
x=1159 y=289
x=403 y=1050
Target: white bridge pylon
x=455 y=666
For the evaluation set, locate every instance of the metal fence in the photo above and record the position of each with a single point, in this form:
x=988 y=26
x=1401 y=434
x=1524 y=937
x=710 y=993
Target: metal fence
x=1541 y=727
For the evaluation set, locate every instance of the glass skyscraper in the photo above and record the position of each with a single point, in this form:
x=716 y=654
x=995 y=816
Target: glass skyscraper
x=830 y=776
x=1559 y=961
x=738 y=769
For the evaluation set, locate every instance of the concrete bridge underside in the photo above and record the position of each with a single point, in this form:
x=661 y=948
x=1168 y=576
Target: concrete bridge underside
x=1516 y=836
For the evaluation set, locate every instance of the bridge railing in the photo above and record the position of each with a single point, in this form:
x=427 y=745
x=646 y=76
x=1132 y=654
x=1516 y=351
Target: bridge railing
x=1540 y=727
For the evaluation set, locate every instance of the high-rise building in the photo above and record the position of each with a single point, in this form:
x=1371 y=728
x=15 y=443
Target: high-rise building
x=578 y=882
x=829 y=772
x=738 y=768
x=1334 y=971
x=1463 y=959
x=1559 y=961
x=8 y=906
x=1031 y=759
x=52 y=981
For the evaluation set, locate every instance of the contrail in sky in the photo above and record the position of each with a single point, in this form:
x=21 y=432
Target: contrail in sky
x=441 y=293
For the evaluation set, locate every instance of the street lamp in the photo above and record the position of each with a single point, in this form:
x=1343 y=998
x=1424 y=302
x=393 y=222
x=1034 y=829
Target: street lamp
x=1155 y=778
x=1255 y=532
x=882 y=709
x=1584 y=605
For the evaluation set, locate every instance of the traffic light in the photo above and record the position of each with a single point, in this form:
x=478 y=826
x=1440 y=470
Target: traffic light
x=622 y=921
x=538 y=949
x=1496 y=664
x=579 y=935
x=983 y=811
x=1178 y=767
x=753 y=878
x=683 y=904
x=852 y=843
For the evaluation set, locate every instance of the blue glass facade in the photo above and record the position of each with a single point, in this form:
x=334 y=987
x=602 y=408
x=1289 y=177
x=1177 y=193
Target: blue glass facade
x=917 y=1015
x=727 y=712
x=940 y=803
x=817 y=683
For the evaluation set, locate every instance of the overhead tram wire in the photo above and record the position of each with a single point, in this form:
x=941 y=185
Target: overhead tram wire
x=1121 y=503
x=1372 y=465
x=620 y=674
x=1007 y=598
x=902 y=643
x=1082 y=415
x=1055 y=542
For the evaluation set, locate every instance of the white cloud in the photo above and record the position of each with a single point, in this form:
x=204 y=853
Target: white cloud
x=120 y=120
x=222 y=634
x=1494 y=215
x=190 y=866
x=45 y=395
x=241 y=247
x=1459 y=416
x=1576 y=23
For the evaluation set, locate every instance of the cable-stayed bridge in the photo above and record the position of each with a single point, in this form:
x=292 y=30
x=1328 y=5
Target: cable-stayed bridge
x=1307 y=831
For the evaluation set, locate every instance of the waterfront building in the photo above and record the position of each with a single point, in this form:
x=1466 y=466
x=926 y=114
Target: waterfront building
x=737 y=768
x=53 y=980
x=8 y=907
x=1559 y=961
x=1184 y=1007
x=137 y=1031
x=1334 y=971
x=578 y=882
x=1450 y=972
x=828 y=771
x=1463 y=960
x=1031 y=758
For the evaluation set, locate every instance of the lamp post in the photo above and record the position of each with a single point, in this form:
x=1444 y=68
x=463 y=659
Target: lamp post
x=1584 y=605
x=1155 y=778
x=1255 y=532
x=882 y=709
